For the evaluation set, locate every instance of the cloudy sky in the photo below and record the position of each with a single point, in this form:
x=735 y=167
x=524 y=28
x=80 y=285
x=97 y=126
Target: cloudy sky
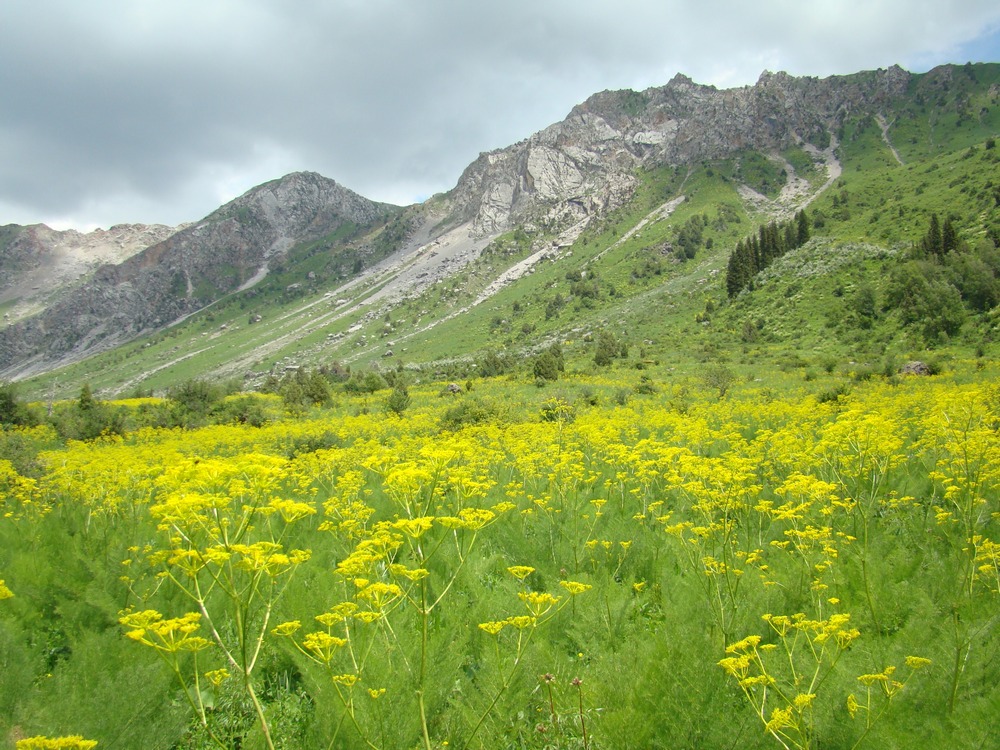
x=117 y=111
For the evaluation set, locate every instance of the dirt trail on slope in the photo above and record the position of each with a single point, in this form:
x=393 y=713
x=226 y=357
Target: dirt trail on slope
x=885 y=137
x=660 y=212
x=425 y=259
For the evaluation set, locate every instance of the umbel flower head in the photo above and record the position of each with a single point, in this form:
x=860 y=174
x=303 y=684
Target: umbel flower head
x=167 y=635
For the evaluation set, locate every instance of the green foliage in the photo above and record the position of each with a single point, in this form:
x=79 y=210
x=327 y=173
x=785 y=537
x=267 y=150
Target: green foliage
x=13 y=411
x=368 y=382
x=246 y=408
x=545 y=367
x=925 y=300
x=761 y=173
x=976 y=275
x=690 y=237
x=758 y=251
x=607 y=348
x=87 y=418
x=864 y=304
x=557 y=409
x=720 y=379
x=494 y=364
x=474 y=411
x=192 y=401
x=549 y=364
x=399 y=399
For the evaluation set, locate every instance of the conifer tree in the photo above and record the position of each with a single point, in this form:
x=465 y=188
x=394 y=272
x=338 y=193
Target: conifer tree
x=734 y=274
x=949 y=238
x=802 y=222
x=933 y=242
x=791 y=237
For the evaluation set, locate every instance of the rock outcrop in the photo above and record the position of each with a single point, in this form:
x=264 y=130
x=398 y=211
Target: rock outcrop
x=191 y=268
x=39 y=263
x=586 y=163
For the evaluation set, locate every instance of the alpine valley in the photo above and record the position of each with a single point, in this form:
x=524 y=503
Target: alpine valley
x=622 y=217
x=674 y=425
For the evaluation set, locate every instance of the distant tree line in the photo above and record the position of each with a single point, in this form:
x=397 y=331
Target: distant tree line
x=758 y=251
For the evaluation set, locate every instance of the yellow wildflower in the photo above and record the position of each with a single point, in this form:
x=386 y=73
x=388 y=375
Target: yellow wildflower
x=287 y=628
x=73 y=742
x=493 y=627
x=217 y=676
x=520 y=572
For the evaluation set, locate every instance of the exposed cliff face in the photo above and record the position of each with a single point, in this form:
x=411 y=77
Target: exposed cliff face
x=184 y=272
x=586 y=163
x=39 y=264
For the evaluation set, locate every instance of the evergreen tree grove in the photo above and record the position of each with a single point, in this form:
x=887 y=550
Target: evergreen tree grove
x=759 y=250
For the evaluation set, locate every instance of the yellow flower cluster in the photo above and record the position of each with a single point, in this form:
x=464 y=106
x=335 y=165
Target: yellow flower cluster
x=72 y=742
x=169 y=635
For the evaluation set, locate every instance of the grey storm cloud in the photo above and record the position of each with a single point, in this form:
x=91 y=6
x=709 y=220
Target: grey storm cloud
x=143 y=110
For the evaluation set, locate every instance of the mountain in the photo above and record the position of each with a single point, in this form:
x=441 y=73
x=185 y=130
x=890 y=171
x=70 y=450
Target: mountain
x=586 y=164
x=41 y=263
x=181 y=273
x=622 y=217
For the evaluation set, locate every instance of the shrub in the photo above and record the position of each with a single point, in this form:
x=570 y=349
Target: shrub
x=719 y=379
x=608 y=348
x=473 y=411
x=399 y=399
x=545 y=367
x=557 y=409
x=88 y=418
x=12 y=410
x=192 y=401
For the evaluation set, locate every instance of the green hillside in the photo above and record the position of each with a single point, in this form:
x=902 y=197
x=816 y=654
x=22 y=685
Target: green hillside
x=660 y=288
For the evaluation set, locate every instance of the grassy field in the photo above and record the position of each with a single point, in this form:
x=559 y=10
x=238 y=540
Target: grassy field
x=619 y=559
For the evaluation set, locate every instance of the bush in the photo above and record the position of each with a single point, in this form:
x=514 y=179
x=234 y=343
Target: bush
x=245 y=409
x=925 y=301
x=399 y=399
x=88 y=418
x=557 y=409
x=719 y=379
x=473 y=411
x=608 y=348
x=370 y=382
x=545 y=367
x=192 y=401
x=646 y=386
x=493 y=365
x=12 y=411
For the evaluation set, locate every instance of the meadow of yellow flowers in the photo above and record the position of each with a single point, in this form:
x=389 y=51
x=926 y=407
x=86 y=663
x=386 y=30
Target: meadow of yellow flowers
x=771 y=569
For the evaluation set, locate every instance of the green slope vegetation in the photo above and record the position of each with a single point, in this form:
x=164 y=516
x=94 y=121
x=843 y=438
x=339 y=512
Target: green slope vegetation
x=653 y=272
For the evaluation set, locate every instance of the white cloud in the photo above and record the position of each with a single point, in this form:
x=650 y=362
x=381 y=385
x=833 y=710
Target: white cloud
x=136 y=110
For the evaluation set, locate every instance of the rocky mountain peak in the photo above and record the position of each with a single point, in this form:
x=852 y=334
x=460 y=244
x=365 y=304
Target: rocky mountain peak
x=301 y=202
x=585 y=164
x=229 y=249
